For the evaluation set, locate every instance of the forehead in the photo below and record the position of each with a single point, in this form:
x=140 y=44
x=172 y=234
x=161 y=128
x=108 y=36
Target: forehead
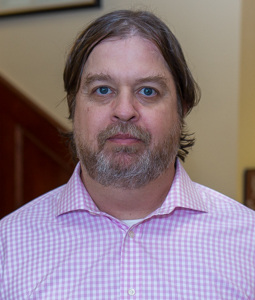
x=133 y=53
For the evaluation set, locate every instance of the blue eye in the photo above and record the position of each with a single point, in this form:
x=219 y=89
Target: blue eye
x=103 y=90
x=147 y=91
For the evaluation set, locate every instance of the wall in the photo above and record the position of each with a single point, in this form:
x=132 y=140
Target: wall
x=246 y=154
x=33 y=50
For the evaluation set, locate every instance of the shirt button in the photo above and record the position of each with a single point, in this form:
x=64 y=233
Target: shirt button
x=131 y=234
x=93 y=213
x=131 y=292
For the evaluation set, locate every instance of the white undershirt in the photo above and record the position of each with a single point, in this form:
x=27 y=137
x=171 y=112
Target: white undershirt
x=131 y=222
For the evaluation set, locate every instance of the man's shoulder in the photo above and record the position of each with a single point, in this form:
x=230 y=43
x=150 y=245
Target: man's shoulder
x=39 y=209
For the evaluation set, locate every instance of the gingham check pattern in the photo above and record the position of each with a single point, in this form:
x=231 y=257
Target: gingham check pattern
x=198 y=245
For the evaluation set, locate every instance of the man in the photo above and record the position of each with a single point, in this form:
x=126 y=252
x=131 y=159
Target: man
x=130 y=224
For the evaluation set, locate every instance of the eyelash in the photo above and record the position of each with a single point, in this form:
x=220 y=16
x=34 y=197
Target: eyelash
x=109 y=91
x=102 y=87
x=154 y=91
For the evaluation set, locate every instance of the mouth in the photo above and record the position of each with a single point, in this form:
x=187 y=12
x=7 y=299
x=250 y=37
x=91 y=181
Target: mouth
x=124 y=139
x=124 y=135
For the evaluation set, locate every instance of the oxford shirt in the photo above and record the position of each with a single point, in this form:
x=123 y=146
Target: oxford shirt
x=198 y=245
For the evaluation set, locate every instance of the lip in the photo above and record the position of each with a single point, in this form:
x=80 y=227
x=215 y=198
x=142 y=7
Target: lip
x=123 y=139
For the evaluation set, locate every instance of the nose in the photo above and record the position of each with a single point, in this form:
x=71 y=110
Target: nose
x=124 y=108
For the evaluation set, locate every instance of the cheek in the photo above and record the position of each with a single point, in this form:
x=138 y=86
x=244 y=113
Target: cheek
x=161 y=124
x=81 y=126
x=158 y=121
x=88 y=123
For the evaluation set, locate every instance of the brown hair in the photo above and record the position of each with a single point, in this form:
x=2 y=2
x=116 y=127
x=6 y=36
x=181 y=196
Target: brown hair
x=122 y=24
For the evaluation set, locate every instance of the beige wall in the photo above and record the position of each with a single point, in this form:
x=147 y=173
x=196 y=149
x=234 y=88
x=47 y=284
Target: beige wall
x=33 y=50
x=246 y=154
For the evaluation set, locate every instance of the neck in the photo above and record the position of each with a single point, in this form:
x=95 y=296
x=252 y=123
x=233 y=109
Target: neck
x=127 y=204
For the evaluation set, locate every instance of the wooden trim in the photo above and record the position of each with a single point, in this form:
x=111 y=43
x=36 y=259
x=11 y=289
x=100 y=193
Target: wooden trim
x=18 y=179
x=34 y=157
x=46 y=8
x=32 y=116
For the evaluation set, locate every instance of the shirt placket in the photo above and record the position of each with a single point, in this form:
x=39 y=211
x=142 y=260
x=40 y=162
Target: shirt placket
x=130 y=264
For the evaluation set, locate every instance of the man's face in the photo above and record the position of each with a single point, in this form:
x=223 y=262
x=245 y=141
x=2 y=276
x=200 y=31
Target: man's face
x=126 y=124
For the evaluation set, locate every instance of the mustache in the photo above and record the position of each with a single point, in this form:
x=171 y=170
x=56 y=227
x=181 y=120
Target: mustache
x=133 y=130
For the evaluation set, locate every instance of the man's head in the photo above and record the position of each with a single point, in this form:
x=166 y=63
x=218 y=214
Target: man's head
x=112 y=44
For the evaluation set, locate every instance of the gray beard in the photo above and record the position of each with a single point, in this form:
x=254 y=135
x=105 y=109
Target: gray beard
x=112 y=169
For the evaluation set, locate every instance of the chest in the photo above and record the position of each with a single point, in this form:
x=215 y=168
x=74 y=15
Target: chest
x=156 y=259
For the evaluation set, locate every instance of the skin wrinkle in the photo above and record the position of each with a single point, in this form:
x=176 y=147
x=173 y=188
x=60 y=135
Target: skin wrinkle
x=92 y=79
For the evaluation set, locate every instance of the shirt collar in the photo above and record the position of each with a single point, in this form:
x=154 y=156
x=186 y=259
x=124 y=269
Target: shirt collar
x=183 y=194
x=74 y=196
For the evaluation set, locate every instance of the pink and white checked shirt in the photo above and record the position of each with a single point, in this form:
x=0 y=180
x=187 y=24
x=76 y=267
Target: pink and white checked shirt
x=198 y=245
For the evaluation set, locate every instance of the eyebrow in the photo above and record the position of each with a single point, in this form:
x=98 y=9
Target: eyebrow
x=90 y=78
x=159 y=79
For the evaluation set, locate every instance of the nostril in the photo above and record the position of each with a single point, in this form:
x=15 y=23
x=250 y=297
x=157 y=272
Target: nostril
x=125 y=106
x=125 y=117
x=127 y=113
